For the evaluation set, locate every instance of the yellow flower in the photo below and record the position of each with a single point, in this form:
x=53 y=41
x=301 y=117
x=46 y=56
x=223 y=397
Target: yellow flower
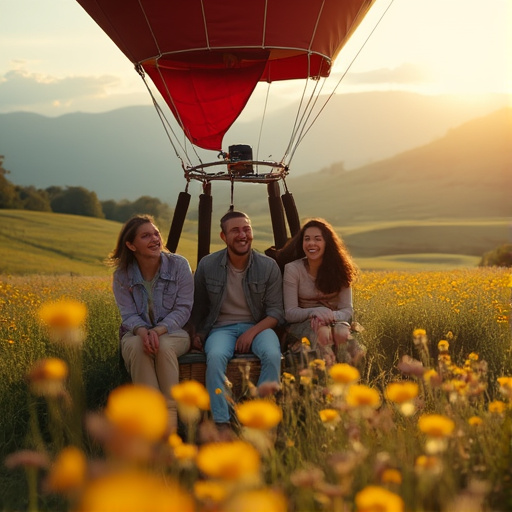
x=259 y=413
x=428 y=464
x=256 y=500
x=436 y=425
x=133 y=491
x=305 y=380
x=185 y=452
x=218 y=391
x=400 y=392
x=431 y=376
x=305 y=341
x=475 y=421
x=360 y=395
x=63 y=314
x=443 y=346
x=174 y=440
x=378 y=499
x=208 y=490
x=65 y=321
x=391 y=476
x=497 y=407
x=68 y=470
x=329 y=416
x=47 y=376
x=138 y=410
x=191 y=397
x=232 y=461
x=505 y=386
x=473 y=356
x=343 y=373
x=317 y=364
x=419 y=337
x=191 y=393
x=288 y=378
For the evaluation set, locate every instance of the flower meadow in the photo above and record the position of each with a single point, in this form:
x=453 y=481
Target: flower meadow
x=424 y=423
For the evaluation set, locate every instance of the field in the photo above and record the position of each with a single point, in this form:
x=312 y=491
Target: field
x=439 y=440
x=58 y=244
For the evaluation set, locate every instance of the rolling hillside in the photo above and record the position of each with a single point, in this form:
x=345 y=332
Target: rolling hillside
x=125 y=153
x=466 y=174
x=441 y=205
x=56 y=244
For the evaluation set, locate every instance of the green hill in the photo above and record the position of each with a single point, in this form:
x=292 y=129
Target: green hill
x=55 y=244
x=442 y=205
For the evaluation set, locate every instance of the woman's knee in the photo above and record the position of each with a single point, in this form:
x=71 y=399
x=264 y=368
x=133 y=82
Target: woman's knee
x=177 y=344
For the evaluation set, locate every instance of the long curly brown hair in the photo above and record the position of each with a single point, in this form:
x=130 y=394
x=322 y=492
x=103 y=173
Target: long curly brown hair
x=337 y=270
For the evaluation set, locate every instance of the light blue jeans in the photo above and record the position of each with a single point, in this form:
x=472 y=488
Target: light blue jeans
x=220 y=348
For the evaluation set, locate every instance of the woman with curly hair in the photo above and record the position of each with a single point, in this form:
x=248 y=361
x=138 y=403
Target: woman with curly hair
x=317 y=291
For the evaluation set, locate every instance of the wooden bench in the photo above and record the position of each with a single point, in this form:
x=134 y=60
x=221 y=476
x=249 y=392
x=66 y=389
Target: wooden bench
x=193 y=367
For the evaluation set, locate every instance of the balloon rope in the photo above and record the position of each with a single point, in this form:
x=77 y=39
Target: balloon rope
x=316 y=24
x=165 y=123
x=300 y=120
x=339 y=81
x=261 y=125
x=205 y=26
x=149 y=27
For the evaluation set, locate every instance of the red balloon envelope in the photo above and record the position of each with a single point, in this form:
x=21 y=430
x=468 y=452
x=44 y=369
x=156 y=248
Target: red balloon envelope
x=206 y=56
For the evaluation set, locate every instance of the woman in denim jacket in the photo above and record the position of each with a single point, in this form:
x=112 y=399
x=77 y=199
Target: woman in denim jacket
x=154 y=291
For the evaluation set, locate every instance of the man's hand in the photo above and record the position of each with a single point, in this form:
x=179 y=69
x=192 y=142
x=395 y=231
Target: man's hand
x=244 y=342
x=197 y=342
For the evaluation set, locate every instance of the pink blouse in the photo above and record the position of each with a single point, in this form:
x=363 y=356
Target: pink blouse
x=301 y=296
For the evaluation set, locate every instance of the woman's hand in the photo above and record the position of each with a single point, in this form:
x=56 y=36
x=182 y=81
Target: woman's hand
x=150 y=340
x=323 y=315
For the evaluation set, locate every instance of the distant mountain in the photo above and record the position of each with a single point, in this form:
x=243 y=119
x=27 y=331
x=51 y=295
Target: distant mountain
x=125 y=153
x=465 y=174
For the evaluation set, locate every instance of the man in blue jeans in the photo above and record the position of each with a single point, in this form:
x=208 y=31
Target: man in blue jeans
x=238 y=300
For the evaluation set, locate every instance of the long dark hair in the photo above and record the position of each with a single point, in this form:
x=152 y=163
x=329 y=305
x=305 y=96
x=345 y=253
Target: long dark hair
x=121 y=256
x=337 y=269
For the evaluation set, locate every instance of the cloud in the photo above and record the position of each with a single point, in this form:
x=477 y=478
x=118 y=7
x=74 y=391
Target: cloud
x=20 y=89
x=405 y=74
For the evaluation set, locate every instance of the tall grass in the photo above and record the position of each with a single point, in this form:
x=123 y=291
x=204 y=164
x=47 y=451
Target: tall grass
x=471 y=308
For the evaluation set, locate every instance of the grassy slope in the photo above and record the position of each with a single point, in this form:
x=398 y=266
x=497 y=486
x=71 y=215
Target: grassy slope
x=439 y=206
x=50 y=243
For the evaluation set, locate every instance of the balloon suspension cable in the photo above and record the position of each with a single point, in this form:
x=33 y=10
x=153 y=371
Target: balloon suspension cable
x=305 y=132
x=303 y=113
x=285 y=185
x=261 y=124
x=165 y=123
x=298 y=133
x=299 y=123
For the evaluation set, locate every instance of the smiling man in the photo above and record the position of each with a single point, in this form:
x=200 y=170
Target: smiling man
x=238 y=301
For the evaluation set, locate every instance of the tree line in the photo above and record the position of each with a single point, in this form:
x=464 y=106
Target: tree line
x=75 y=201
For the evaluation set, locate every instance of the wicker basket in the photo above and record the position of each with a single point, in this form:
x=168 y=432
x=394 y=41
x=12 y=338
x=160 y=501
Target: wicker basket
x=239 y=369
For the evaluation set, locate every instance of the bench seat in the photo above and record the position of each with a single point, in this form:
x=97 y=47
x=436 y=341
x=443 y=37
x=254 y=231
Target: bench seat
x=193 y=367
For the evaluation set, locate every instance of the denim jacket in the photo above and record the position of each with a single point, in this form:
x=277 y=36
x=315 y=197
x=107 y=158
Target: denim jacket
x=173 y=294
x=262 y=285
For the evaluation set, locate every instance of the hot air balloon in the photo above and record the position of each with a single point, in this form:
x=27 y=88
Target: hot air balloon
x=205 y=57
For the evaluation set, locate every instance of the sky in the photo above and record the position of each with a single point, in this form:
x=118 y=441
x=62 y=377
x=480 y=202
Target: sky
x=55 y=60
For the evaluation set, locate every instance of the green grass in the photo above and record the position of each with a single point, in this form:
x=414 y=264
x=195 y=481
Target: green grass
x=51 y=244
